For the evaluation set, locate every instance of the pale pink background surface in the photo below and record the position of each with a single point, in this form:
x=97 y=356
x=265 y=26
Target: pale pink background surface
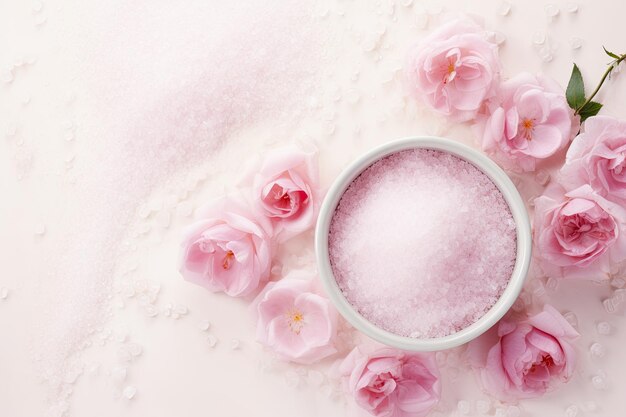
x=94 y=98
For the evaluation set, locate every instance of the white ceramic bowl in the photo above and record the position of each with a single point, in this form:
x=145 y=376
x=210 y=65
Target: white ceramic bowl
x=512 y=197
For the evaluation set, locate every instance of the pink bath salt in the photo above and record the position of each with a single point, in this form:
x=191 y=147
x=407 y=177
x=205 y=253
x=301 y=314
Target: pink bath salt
x=422 y=243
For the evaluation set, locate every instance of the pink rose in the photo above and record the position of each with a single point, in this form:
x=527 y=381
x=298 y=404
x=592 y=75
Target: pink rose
x=392 y=383
x=286 y=190
x=577 y=229
x=298 y=324
x=455 y=69
x=522 y=359
x=529 y=120
x=228 y=249
x=598 y=157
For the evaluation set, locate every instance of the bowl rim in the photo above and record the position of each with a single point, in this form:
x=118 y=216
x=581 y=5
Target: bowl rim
x=511 y=196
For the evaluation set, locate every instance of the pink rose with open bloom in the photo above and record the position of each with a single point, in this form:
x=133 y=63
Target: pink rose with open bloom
x=598 y=157
x=298 y=324
x=392 y=383
x=455 y=69
x=228 y=249
x=577 y=229
x=286 y=189
x=522 y=359
x=529 y=120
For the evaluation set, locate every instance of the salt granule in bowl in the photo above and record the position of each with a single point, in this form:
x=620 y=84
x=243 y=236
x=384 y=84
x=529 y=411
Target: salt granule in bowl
x=423 y=243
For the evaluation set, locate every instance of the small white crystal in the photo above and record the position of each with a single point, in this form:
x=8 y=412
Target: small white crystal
x=40 y=229
x=571 y=411
x=572 y=7
x=539 y=37
x=135 y=349
x=603 y=328
x=211 y=340
x=513 y=411
x=204 y=325
x=618 y=283
x=597 y=350
x=504 y=9
x=552 y=10
x=575 y=43
x=483 y=406
x=552 y=284
x=4 y=293
x=129 y=392
x=235 y=344
x=598 y=382
x=463 y=406
x=609 y=305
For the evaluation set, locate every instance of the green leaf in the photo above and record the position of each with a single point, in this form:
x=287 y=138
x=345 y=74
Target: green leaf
x=590 y=109
x=575 y=92
x=611 y=54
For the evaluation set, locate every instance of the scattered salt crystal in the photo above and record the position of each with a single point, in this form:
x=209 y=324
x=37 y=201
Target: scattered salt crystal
x=552 y=284
x=571 y=411
x=552 y=10
x=204 y=325
x=483 y=406
x=37 y=6
x=599 y=381
x=618 y=283
x=575 y=42
x=504 y=9
x=151 y=311
x=597 y=350
x=135 y=349
x=463 y=407
x=572 y=7
x=603 y=328
x=144 y=211
x=7 y=76
x=129 y=392
x=4 y=293
x=609 y=305
x=499 y=38
x=513 y=411
x=235 y=344
x=211 y=340
x=406 y=3
x=40 y=229
x=539 y=37
x=377 y=271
